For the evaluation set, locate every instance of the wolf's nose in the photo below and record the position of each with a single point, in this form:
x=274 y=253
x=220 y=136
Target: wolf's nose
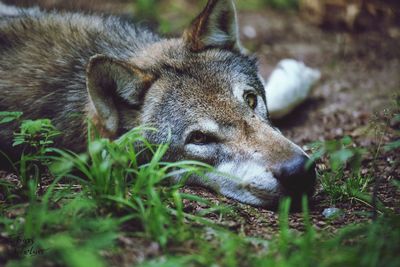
x=295 y=178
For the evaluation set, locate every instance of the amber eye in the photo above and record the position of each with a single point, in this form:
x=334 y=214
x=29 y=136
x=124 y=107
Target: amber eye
x=251 y=100
x=200 y=138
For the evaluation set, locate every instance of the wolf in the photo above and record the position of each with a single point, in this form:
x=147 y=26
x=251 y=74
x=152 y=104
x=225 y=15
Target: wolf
x=202 y=91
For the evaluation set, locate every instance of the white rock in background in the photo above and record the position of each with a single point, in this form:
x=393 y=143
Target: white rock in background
x=289 y=84
x=332 y=212
x=249 y=32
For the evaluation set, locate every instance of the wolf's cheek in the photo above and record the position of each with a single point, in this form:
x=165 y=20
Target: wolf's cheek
x=252 y=177
x=200 y=152
x=245 y=181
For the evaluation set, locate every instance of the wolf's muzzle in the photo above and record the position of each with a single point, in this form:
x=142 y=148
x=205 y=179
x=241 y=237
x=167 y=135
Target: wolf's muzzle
x=295 y=178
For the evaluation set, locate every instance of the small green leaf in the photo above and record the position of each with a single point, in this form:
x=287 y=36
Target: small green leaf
x=339 y=158
x=9 y=116
x=392 y=146
x=346 y=140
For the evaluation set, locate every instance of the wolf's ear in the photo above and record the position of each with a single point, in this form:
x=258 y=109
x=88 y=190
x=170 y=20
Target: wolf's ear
x=108 y=81
x=216 y=26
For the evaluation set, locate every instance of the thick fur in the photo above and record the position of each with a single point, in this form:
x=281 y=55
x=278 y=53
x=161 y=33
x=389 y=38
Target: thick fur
x=70 y=67
x=43 y=65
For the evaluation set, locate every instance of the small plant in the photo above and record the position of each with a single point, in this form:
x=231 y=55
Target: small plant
x=344 y=178
x=34 y=141
x=395 y=120
x=9 y=116
x=36 y=134
x=35 y=137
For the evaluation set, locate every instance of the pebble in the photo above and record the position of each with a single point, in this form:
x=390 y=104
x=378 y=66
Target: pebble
x=249 y=32
x=332 y=212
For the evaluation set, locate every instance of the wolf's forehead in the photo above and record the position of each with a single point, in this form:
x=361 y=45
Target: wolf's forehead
x=172 y=58
x=220 y=72
x=222 y=64
x=211 y=82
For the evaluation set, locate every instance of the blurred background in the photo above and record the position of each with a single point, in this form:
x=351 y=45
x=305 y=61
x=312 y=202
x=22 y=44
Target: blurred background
x=169 y=15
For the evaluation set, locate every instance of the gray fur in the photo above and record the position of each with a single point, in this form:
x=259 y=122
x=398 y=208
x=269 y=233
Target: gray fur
x=43 y=58
x=70 y=67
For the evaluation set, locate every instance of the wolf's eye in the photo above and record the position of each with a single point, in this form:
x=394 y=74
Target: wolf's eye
x=251 y=100
x=200 y=138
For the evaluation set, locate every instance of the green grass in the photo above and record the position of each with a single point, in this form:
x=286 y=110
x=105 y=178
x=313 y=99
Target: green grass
x=92 y=199
x=343 y=180
x=374 y=244
x=113 y=190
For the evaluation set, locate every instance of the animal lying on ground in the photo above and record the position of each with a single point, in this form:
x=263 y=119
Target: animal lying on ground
x=201 y=91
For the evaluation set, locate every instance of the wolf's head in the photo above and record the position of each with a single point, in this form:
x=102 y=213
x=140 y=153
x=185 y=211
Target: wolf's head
x=204 y=91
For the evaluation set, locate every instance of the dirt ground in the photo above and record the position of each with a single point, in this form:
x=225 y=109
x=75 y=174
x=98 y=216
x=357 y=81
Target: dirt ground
x=360 y=76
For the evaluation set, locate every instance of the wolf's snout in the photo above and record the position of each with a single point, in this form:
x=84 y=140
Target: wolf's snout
x=295 y=178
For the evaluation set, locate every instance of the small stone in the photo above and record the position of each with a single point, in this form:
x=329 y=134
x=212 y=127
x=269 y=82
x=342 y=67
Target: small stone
x=249 y=32
x=339 y=131
x=332 y=212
